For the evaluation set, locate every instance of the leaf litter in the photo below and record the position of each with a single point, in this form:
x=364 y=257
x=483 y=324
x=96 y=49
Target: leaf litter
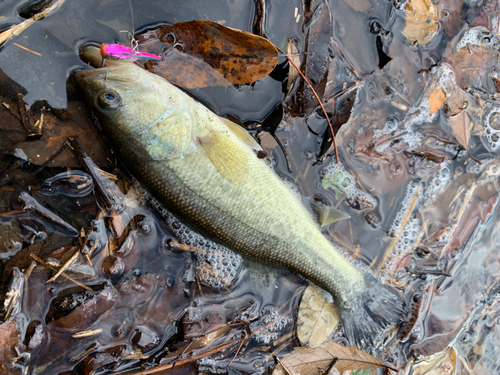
x=418 y=143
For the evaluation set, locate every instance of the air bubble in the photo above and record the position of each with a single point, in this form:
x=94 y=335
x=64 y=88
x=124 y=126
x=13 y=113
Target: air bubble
x=210 y=269
x=344 y=182
x=477 y=36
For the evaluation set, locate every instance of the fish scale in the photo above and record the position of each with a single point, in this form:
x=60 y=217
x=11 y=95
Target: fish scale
x=204 y=169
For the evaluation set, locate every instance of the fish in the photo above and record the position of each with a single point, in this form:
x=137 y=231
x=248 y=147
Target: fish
x=204 y=169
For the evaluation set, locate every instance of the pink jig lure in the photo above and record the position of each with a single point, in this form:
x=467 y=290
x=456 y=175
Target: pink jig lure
x=117 y=51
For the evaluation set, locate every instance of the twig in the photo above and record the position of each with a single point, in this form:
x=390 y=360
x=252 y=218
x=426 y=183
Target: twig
x=183 y=361
x=11 y=111
x=39 y=260
x=395 y=240
x=11 y=304
x=49 y=160
x=416 y=243
x=19 y=28
x=64 y=267
x=465 y=364
x=319 y=101
x=459 y=216
x=29 y=270
x=238 y=350
x=81 y=334
x=27 y=49
x=282 y=364
x=87 y=255
x=81 y=355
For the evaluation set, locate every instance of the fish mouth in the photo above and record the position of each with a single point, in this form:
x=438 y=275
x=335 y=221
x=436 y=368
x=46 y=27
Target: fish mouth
x=100 y=69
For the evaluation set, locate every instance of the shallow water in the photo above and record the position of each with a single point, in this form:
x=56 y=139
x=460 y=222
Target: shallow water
x=423 y=212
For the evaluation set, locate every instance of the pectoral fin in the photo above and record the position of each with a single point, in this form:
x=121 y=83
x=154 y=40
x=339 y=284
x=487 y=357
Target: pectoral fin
x=326 y=215
x=242 y=134
x=226 y=156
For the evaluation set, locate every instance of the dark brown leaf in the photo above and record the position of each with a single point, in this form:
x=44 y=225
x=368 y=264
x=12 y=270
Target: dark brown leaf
x=204 y=53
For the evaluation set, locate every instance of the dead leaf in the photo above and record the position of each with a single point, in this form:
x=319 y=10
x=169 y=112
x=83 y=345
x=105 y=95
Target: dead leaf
x=305 y=361
x=461 y=126
x=204 y=53
x=421 y=20
x=438 y=364
x=293 y=53
x=317 y=318
x=437 y=98
x=9 y=338
x=363 y=6
x=465 y=117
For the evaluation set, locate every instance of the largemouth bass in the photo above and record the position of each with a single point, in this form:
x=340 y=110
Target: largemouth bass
x=204 y=169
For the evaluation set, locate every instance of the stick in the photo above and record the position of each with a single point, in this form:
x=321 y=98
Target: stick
x=320 y=103
x=39 y=260
x=395 y=240
x=63 y=268
x=19 y=28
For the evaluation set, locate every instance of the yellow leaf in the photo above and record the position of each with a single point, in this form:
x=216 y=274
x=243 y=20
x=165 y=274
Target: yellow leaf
x=421 y=20
x=317 y=318
x=438 y=364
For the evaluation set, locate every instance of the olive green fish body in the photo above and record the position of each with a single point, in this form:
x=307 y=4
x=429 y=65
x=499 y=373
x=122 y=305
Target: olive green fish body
x=204 y=169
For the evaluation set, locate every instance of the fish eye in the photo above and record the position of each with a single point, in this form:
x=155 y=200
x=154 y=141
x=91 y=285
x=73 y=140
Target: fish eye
x=109 y=100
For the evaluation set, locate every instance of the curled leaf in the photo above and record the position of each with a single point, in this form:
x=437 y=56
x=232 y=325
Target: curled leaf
x=444 y=362
x=293 y=53
x=204 y=53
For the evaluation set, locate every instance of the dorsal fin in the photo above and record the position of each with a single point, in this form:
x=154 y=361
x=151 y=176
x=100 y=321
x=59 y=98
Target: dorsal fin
x=242 y=134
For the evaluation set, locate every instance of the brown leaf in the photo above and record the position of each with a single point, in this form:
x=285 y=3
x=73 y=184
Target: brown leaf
x=55 y=132
x=317 y=318
x=460 y=125
x=9 y=337
x=465 y=117
x=204 y=53
x=306 y=361
x=422 y=20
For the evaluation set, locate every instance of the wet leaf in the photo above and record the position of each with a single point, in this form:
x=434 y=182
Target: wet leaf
x=437 y=98
x=360 y=5
x=421 y=21
x=443 y=363
x=204 y=53
x=465 y=117
x=293 y=53
x=9 y=338
x=305 y=361
x=317 y=318
x=56 y=131
x=461 y=125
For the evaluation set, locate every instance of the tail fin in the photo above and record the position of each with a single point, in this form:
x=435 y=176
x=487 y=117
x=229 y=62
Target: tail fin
x=365 y=316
